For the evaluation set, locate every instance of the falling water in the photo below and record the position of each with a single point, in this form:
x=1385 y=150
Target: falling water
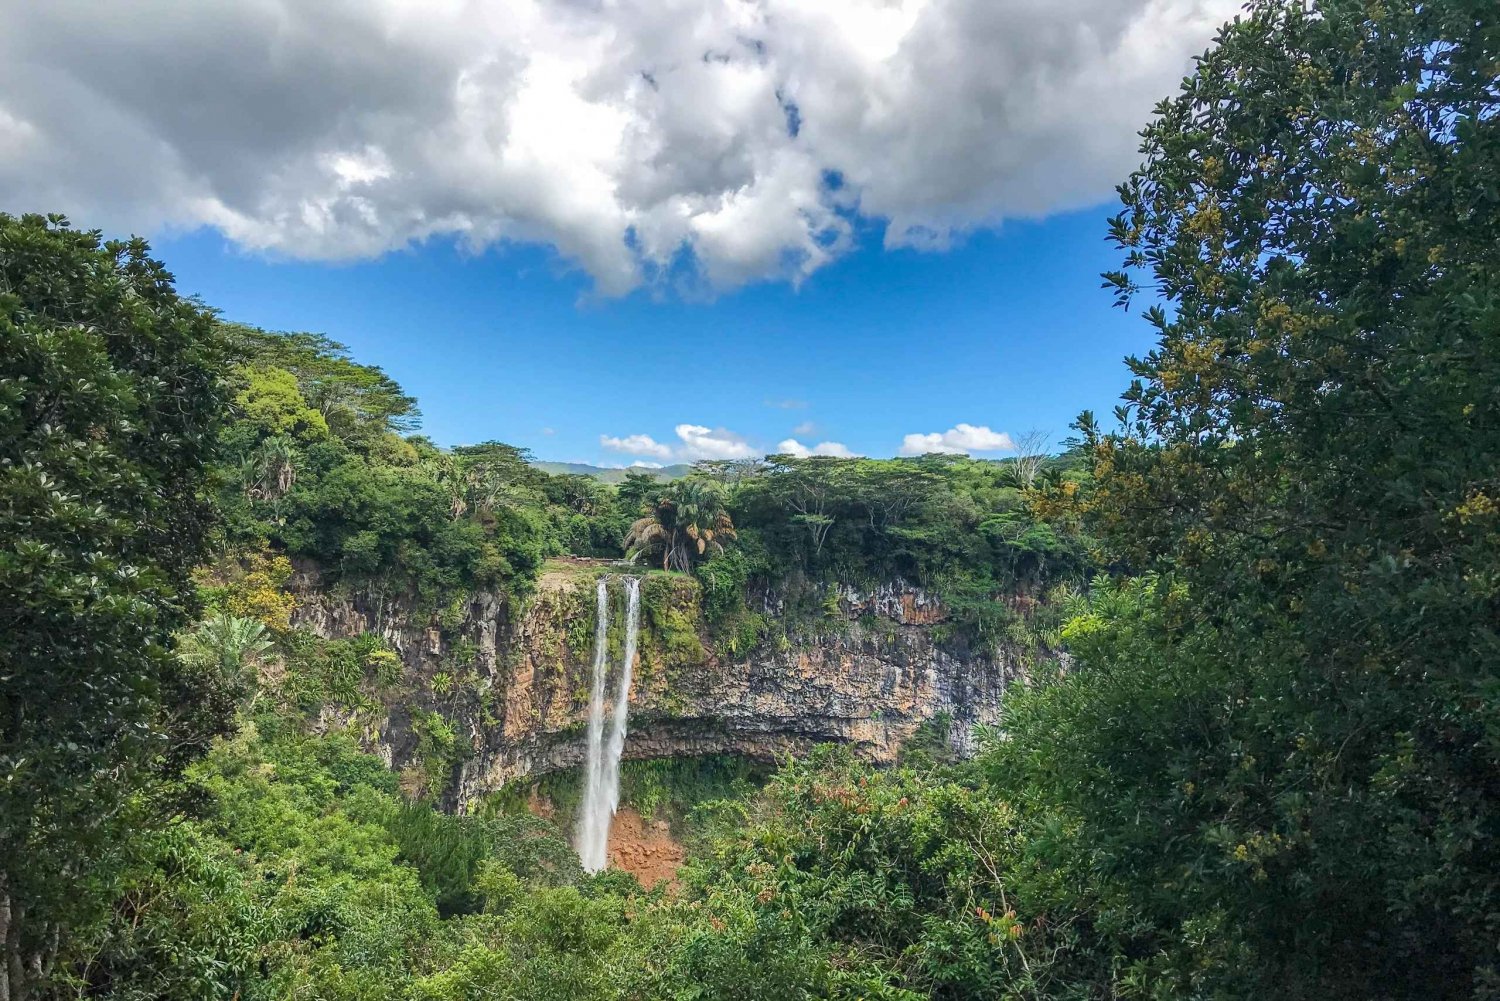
x=593 y=818
x=616 y=748
x=602 y=791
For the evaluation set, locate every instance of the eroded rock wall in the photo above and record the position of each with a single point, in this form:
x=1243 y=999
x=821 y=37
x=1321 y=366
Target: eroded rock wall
x=512 y=679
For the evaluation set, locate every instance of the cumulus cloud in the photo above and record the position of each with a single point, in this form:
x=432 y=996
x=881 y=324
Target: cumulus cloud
x=694 y=441
x=648 y=141
x=699 y=442
x=957 y=440
x=636 y=444
x=805 y=428
x=836 y=449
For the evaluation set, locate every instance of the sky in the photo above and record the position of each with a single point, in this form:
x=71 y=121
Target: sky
x=620 y=231
x=1008 y=330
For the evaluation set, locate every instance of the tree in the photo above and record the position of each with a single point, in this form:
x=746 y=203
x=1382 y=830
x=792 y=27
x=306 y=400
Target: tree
x=1285 y=760
x=688 y=520
x=272 y=401
x=634 y=493
x=109 y=408
x=357 y=402
x=228 y=643
x=814 y=485
x=730 y=472
x=1031 y=454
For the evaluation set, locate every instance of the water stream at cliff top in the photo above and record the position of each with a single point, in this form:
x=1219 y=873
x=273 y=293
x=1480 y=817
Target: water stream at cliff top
x=601 y=794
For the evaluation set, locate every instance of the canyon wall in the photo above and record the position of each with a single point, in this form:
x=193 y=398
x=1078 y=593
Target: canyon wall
x=510 y=679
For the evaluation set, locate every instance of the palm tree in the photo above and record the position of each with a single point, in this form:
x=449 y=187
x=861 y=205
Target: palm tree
x=269 y=474
x=228 y=642
x=444 y=471
x=687 y=520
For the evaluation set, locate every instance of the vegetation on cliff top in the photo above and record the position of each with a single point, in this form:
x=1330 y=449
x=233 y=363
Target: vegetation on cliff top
x=319 y=464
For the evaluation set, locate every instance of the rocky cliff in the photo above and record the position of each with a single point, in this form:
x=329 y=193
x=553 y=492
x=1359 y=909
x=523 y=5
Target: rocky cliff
x=496 y=690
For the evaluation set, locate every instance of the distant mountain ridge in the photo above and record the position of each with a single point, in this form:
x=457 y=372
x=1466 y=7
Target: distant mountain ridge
x=611 y=475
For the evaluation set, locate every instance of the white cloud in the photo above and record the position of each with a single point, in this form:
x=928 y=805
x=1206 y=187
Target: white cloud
x=837 y=449
x=699 y=442
x=959 y=439
x=743 y=136
x=694 y=441
x=805 y=428
x=787 y=404
x=636 y=444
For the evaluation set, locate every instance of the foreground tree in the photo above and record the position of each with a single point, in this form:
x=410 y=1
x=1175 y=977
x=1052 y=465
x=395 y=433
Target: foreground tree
x=1285 y=757
x=109 y=407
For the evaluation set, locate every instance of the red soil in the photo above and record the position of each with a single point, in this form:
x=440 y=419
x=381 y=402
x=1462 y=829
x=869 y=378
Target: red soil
x=644 y=849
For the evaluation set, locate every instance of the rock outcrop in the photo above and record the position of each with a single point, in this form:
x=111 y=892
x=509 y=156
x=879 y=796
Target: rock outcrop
x=511 y=679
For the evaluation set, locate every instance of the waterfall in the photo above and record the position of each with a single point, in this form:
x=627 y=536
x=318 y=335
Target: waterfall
x=592 y=834
x=616 y=748
x=602 y=788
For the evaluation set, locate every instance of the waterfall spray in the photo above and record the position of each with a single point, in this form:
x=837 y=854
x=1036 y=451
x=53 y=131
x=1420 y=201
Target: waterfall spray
x=592 y=834
x=602 y=789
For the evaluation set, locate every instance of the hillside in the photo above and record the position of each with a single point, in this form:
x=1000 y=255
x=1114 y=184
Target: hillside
x=610 y=474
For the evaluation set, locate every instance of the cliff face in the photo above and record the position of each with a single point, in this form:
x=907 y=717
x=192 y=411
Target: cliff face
x=511 y=680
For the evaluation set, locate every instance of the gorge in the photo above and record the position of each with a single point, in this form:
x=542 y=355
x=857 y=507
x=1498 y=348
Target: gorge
x=530 y=699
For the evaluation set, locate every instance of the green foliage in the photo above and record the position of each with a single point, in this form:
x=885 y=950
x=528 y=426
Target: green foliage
x=386 y=667
x=748 y=631
x=955 y=525
x=249 y=585
x=358 y=402
x=579 y=619
x=315 y=466
x=1280 y=757
x=344 y=672
x=850 y=882
x=110 y=403
x=229 y=644
x=687 y=520
x=438 y=750
x=562 y=789
x=671 y=616
x=637 y=492
x=588 y=518
x=724 y=577
x=392 y=529
x=672 y=789
x=304 y=875
x=450 y=851
x=272 y=401
x=551 y=945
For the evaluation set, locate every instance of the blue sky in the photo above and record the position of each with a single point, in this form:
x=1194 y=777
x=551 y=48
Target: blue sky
x=890 y=213
x=1008 y=329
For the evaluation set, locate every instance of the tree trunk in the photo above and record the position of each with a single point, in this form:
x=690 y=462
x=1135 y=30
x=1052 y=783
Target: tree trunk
x=20 y=973
x=13 y=980
x=5 y=994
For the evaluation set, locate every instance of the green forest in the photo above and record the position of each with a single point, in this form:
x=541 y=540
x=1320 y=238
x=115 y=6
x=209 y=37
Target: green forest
x=1256 y=752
